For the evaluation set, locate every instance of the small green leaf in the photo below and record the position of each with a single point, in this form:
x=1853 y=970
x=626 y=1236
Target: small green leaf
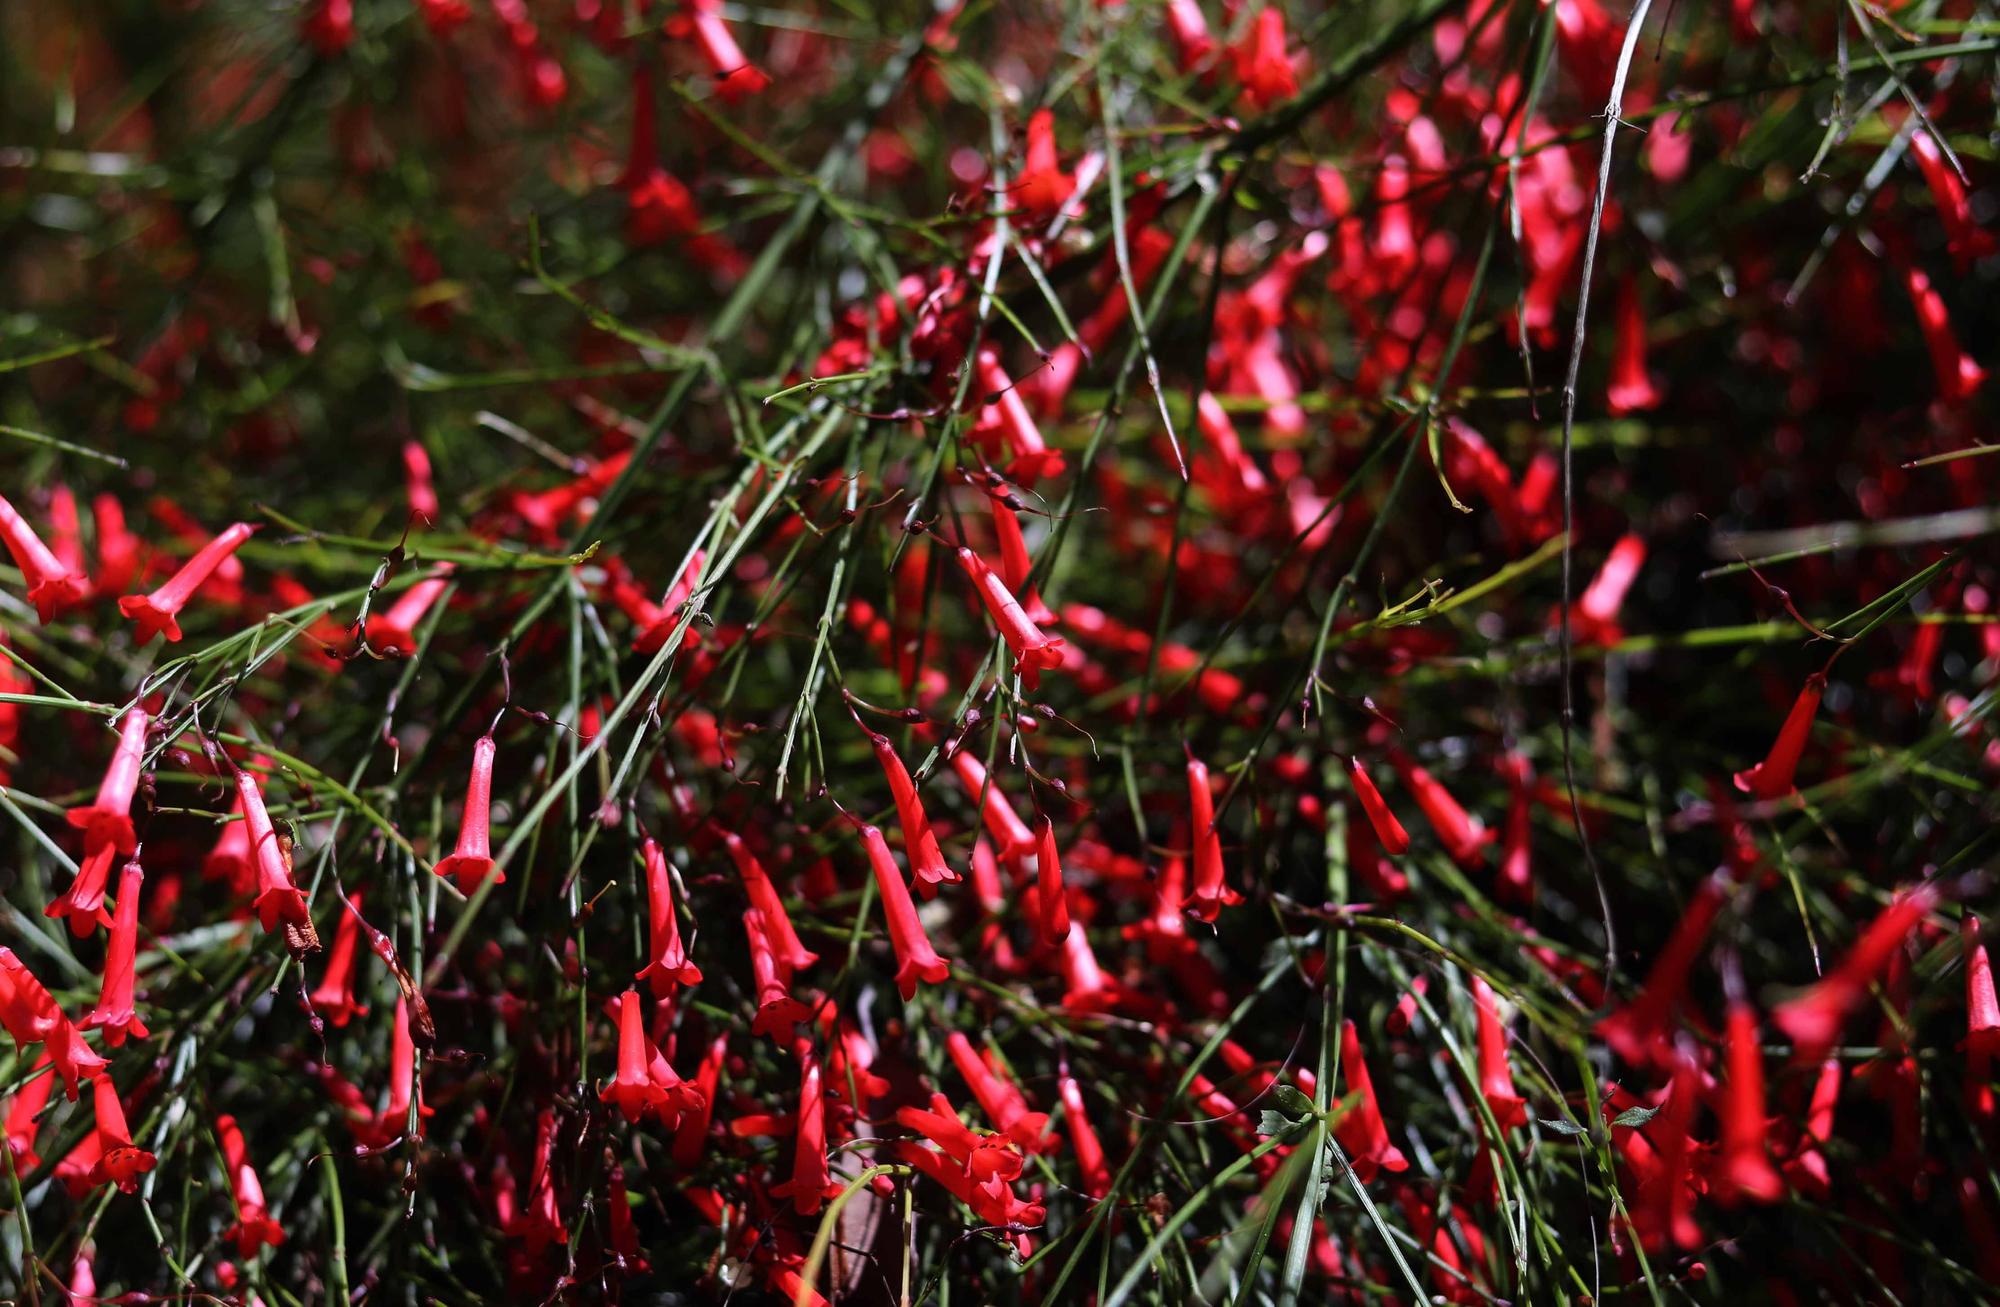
x=1635 y=1116
x=1563 y=1127
x=1291 y=1102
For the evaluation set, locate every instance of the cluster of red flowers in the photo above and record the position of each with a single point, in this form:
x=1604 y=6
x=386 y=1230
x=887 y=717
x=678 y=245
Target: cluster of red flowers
x=1053 y=717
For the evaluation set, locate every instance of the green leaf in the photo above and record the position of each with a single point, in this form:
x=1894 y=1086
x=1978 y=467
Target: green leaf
x=1563 y=1127
x=1635 y=1116
x=1291 y=1102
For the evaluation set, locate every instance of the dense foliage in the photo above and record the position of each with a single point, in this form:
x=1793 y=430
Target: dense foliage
x=1181 y=651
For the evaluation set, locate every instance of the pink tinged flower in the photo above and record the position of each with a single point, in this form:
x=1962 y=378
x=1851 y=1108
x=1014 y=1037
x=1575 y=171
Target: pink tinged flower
x=1632 y=389
x=1806 y=1167
x=1189 y=29
x=417 y=481
x=916 y=960
x=1516 y=881
x=118 y=547
x=1772 y=778
x=1389 y=832
x=1638 y=1032
x=1051 y=900
x=278 y=899
x=1361 y=1130
x=1262 y=65
x=1982 y=1012
x=1209 y=894
x=31 y=1015
x=1461 y=834
x=82 y=904
x=1083 y=1139
x=792 y=955
x=107 y=823
x=394 y=633
x=156 y=613
x=254 y=1227
x=735 y=75
x=1085 y=986
x=229 y=858
x=811 y=1183
x=52 y=587
x=114 y=1014
x=670 y=965
x=1032 y=458
x=920 y=842
x=1743 y=1171
x=1223 y=463
x=1002 y=822
x=1964 y=237
x=1496 y=1077
x=1959 y=376
x=1813 y=1020
x=471 y=862
x=998 y=1098
x=778 y=1013
x=1594 y=617
x=333 y=999
x=22 y=1110
x=632 y=1090
x=119 y=1160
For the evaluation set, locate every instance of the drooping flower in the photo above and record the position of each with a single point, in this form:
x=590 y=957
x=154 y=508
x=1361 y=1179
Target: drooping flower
x=417 y=484
x=1964 y=237
x=1959 y=375
x=632 y=1089
x=1806 y=1168
x=333 y=999
x=1210 y=892
x=1593 y=619
x=1389 y=832
x=693 y=1130
x=990 y=1162
x=1663 y=1209
x=1262 y=65
x=82 y=904
x=916 y=960
x=998 y=1097
x=539 y=1223
x=31 y=1015
x=118 y=546
x=1982 y=1011
x=119 y=1161
x=1461 y=834
x=471 y=861
x=394 y=633
x=1189 y=28
x=1632 y=389
x=1496 y=1077
x=1051 y=900
x=107 y=822
x=791 y=953
x=1085 y=986
x=278 y=899
x=1005 y=413
x=920 y=842
x=811 y=1183
x=1744 y=1171
x=157 y=613
x=778 y=1013
x=1361 y=1130
x=113 y=1013
x=406 y=1086
x=22 y=1110
x=1034 y=651
x=1813 y=1019
x=735 y=75
x=1002 y=822
x=1043 y=187
x=1638 y=1031
x=1772 y=778
x=254 y=1227
x=229 y=859
x=670 y=965
x=52 y=587
x=1083 y=1139
x=1516 y=882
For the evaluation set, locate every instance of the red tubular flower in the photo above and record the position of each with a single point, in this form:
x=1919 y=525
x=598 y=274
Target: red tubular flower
x=1206 y=900
x=1033 y=459
x=1772 y=778
x=666 y=616
x=119 y=1160
x=915 y=958
x=693 y=1130
x=1743 y=1171
x=417 y=481
x=539 y=1222
x=394 y=633
x=670 y=965
x=1002 y=822
x=1034 y=652
x=1005 y=1210
x=1085 y=986
x=624 y=1231
x=1083 y=1139
x=1496 y=1077
x=82 y=904
x=1806 y=1167
x=1366 y=858
x=31 y=1015
x=920 y=842
x=811 y=1183
x=329 y=26
x=117 y=546
x=998 y=1097
x=1052 y=901
x=1638 y=1031
x=254 y=1227
x=405 y=1086
x=1964 y=237
x=51 y=586
x=1593 y=619
x=792 y=955
x=1632 y=389
x=1982 y=1011
x=1389 y=832
x=1516 y=881
x=1361 y=1130
x=23 y=1108
x=471 y=862
x=1223 y=463
x=1262 y=65
x=1189 y=29
x=1461 y=833
x=278 y=899
x=229 y=858
x=1663 y=1209
x=107 y=823
x=1015 y=562
x=777 y=1011
x=1401 y=1016
x=156 y=612
x=1043 y=186
x=113 y=1013
x=735 y=75
x=1813 y=1019
x=334 y=998
x=632 y=1090
x=1959 y=376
